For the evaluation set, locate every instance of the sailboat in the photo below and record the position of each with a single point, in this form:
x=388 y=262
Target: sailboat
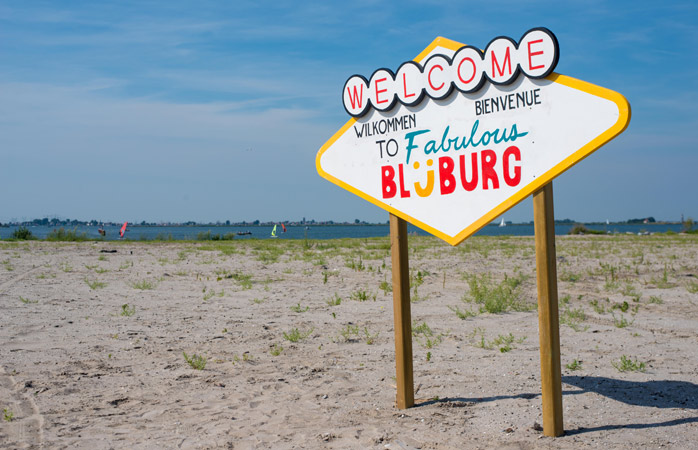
x=283 y=228
x=273 y=232
x=502 y=223
x=122 y=231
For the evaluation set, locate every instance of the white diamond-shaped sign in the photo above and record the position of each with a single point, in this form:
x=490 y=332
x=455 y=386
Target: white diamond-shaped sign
x=453 y=165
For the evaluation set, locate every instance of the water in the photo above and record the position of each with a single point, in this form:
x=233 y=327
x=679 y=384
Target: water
x=136 y=232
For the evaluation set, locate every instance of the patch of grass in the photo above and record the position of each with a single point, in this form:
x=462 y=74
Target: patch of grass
x=569 y=276
x=22 y=234
x=626 y=364
x=195 y=361
x=145 y=285
x=334 y=301
x=242 y=279
x=65 y=267
x=125 y=265
x=207 y=236
x=350 y=332
x=102 y=258
x=7 y=415
x=573 y=318
x=422 y=329
x=295 y=335
x=298 y=308
x=692 y=287
x=496 y=298
x=630 y=291
x=127 y=311
x=462 y=314
x=656 y=300
x=663 y=282
x=621 y=322
x=95 y=284
x=8 y=265
x=276 y=350
x=355 y=265
x=425 y=336
x=26 y=301
x=66 y=236
x=599 y=308
x=574 y=365
x=361 y=295
x=370 y=338
x=385 y=287
x=505 y=342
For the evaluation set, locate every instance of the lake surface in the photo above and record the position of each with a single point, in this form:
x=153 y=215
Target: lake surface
x=135 y=232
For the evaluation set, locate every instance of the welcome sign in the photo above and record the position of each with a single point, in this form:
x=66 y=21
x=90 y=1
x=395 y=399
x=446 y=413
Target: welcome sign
x=458 y=136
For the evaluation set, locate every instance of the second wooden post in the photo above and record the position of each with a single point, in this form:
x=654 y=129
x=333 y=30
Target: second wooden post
x=401 y=312
x=548 y=318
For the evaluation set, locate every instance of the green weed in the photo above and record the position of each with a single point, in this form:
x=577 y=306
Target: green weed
x=692 y=287
x=7 y=415
x=656 y=300
x=127 y=311
x=350 y=332
x=144 y=285
x=370 y=338
x=276 y=350
x=462 y=314
x=299 y=309
x=573 y=318
x=496 y=298
x=95 y=284
x=26 y=301
x=295 y=335
x=625 y=364
x=385 y=287
x=335 y=301
x=574 y=365
x=195 y=361
x=361 y=295
x=621 y=322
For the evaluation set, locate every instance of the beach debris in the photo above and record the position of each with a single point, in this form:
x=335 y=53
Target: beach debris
x=107 y=251
x=537 y=427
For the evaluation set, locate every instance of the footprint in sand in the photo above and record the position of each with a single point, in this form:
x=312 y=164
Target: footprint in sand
x=21 y=425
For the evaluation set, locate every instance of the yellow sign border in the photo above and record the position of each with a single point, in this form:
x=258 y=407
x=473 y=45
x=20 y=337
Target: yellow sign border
x=617 y=128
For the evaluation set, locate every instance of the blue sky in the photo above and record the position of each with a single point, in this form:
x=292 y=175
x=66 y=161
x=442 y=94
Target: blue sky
x=206 y=111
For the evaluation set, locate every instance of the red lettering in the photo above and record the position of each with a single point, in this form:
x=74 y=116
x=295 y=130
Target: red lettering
x=516 y=153
x=403 y=192
x=404 y=86
x=446 y=179
x=459 y=66
x=507 y=61
x=472 y=184
x=380 y=80
x=387 y=181
x=489 y=158
x=531 y=54
x=356 y=98
x=429 y=77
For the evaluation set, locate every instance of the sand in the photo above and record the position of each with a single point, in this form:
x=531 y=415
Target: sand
x=92 y=343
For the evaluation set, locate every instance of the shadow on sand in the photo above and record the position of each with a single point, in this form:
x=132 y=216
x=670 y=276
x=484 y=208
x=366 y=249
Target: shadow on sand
x=654 y=394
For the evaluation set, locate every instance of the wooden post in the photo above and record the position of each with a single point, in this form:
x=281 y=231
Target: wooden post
x=401 y=312
x=548 y=319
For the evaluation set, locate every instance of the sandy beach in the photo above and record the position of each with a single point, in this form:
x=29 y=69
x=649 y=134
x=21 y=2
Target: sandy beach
x=297 y=341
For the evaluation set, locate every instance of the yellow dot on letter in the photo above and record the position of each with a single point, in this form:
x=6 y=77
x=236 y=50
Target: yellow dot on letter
x=416 y=165
x=430 y=162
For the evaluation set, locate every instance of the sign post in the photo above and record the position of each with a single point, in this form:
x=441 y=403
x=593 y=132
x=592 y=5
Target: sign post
x=457 y=137
x=401 y=312
x=548 y=319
